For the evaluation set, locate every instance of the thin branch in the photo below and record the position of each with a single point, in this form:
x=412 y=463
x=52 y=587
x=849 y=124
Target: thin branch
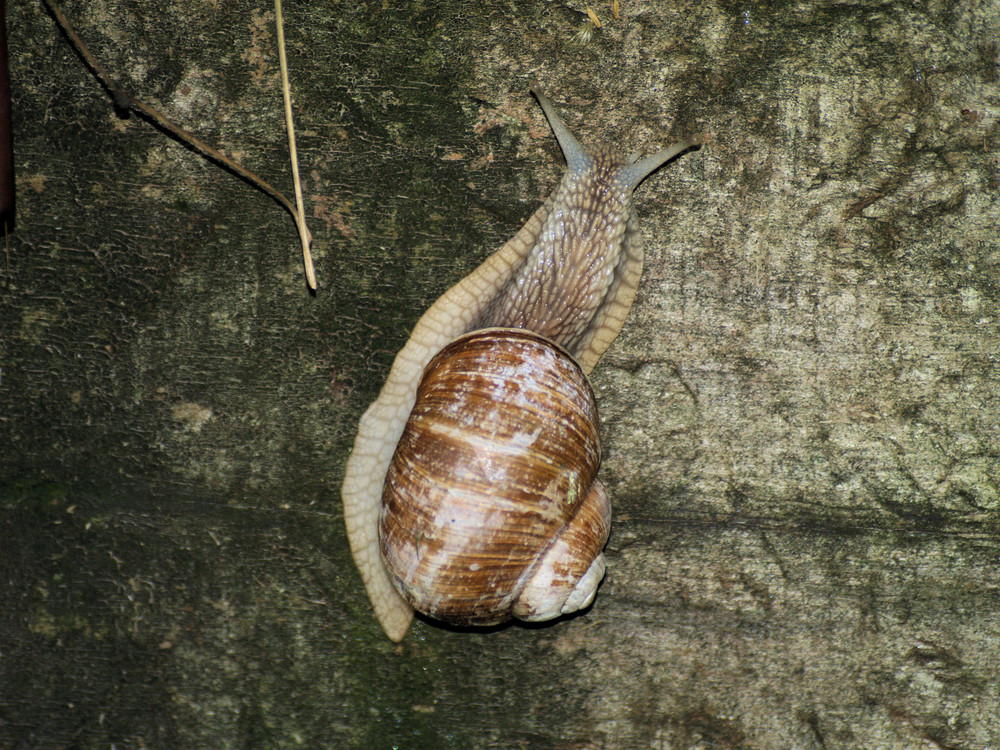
x=125 y=103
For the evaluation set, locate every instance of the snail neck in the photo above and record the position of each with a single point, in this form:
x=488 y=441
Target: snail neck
x=578 y=266
x=570 y=270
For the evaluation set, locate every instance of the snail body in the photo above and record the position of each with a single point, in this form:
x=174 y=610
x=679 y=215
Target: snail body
x=568 y=277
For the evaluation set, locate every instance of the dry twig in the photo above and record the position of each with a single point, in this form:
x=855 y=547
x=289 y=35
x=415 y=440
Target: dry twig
x=126 y=103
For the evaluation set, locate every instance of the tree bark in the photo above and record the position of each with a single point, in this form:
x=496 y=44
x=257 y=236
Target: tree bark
x=801 y=420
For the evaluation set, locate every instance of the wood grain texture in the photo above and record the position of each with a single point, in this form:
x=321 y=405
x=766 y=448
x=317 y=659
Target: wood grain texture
x=800 y=417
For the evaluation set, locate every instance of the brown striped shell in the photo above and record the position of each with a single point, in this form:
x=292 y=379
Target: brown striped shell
x=491 y=508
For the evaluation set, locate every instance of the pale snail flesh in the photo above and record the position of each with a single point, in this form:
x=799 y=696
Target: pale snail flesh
x=570 y=275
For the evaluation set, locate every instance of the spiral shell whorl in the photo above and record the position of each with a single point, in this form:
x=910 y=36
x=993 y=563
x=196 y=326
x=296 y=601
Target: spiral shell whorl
x=566 y=577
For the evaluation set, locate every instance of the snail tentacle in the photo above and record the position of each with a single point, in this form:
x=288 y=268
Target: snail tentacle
x=577 y=158
x=632 y=174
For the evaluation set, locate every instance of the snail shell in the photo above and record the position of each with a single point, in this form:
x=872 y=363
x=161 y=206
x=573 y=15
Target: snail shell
x=570 y=274
x=491 y=507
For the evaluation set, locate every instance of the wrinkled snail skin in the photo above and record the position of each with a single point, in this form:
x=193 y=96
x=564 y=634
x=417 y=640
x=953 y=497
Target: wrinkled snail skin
x=570 y=274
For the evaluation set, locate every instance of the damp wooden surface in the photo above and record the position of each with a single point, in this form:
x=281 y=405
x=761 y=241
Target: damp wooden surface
x=800 y=418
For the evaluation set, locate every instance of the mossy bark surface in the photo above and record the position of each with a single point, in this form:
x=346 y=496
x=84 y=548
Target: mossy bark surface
x=801 y=419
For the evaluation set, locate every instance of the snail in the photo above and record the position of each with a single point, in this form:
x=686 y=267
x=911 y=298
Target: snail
x=537 y=314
